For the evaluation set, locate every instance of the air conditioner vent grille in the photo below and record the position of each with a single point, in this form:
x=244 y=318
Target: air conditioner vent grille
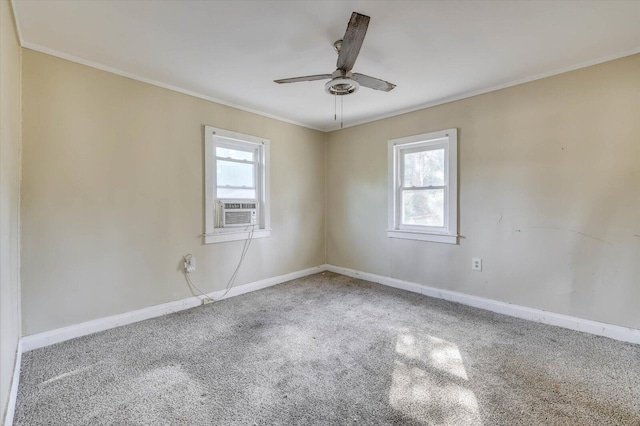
x=237 y=218
x=240 y=205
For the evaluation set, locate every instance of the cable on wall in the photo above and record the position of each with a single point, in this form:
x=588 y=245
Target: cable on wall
x=192 y=285
x=245 y=249
x=231 y=282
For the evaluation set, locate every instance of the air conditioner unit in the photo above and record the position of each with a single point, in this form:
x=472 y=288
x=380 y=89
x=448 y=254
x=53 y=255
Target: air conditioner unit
x=237 y=213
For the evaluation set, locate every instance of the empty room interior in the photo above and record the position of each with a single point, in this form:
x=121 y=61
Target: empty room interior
x=319 y=212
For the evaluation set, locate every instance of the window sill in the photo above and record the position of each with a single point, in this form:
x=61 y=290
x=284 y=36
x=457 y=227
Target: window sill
x=423 y=236
x=223 y=237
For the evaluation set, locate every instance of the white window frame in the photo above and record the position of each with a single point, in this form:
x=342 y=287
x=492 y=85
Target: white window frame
x=447 y=139
x=214 y=137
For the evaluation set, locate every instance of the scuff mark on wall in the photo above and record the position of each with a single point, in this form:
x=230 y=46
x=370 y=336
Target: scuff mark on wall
x=574 y=232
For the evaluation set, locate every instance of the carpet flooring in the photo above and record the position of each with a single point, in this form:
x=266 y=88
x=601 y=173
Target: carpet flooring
x=332 y=350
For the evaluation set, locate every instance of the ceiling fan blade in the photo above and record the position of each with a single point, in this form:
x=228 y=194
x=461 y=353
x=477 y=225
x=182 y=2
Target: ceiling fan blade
x=373 y=83
x=305 y=78
x=352 y=41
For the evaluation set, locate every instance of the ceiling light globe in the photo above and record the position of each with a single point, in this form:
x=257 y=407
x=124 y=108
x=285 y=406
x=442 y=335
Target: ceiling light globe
x=341 y=86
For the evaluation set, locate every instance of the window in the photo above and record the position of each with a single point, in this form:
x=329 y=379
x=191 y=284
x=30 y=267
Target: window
x=236 y=169
x=423 y=187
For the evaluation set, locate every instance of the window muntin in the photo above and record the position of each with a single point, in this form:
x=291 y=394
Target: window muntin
x=423 y=187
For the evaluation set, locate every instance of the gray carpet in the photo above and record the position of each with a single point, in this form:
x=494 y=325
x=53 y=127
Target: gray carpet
x=325 y=350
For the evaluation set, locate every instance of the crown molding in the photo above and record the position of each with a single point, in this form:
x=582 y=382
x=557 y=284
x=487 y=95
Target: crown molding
x=512 y=83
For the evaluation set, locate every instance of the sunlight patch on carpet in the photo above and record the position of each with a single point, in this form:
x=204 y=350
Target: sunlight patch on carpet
x=429 y=377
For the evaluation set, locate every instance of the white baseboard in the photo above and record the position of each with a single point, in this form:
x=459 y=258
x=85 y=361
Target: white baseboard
x=579 y=324
x=268 y=282
x=13 y=393
x=616 y=332
x=47 y=338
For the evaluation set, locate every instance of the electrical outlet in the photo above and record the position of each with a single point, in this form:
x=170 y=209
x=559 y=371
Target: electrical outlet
x=207 y=301
x=476 y=264
x=189 y=264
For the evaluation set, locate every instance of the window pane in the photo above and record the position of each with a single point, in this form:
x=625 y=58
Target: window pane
x=236 y=193
x=234 y=174
x=236 y=154
x=424 y=168
x=423 y=207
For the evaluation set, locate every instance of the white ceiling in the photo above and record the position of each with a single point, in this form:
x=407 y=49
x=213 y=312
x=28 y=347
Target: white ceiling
x=231 y=51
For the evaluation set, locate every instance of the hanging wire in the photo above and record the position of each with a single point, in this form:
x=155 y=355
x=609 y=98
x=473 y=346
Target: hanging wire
x=341 y=110
x=335 y=107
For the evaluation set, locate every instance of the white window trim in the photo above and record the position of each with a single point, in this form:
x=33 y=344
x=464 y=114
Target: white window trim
x=212 y=234
x=450 y=233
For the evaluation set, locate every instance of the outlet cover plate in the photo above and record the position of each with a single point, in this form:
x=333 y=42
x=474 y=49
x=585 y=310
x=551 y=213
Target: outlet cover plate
x=476 y=264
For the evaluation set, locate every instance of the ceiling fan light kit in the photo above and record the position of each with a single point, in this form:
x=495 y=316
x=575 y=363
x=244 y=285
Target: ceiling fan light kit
x=341 y=84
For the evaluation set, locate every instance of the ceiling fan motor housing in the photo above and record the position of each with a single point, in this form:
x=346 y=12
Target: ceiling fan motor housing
x=341 y=84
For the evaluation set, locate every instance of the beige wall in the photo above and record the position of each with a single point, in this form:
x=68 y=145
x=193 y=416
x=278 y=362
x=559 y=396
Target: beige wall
x=113 y=195
x=10 y=57
x=549 y=181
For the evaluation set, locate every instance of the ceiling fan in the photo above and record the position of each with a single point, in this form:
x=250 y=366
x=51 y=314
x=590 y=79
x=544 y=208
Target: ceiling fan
x=342 y=80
